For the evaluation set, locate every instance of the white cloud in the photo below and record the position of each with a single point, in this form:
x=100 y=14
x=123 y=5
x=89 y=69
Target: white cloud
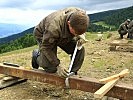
x=30 y=12
x=24 y=17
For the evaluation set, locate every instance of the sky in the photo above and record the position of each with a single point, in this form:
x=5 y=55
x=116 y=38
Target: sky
x=31 y=12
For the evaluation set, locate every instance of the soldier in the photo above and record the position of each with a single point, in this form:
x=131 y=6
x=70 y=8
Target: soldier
x=58 y=30
x=130 y=30
x=123 y=28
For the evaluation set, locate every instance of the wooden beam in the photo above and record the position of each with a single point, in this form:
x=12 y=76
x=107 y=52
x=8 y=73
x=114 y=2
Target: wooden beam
x=120 y=75
x=104 y=89
x=110 y=82
x=120 y=44
x=80 y=83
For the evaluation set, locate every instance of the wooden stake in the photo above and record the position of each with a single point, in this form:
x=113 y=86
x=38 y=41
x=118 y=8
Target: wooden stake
x=111 y=81
x=120 y=75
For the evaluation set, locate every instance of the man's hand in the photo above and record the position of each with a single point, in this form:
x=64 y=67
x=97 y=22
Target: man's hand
x=81 y=41
x=62 y=71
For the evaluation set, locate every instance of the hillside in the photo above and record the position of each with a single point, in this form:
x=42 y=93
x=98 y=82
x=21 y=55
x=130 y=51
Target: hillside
x=113 y=17
x=101 y=15
x=8 y=29
x=25 y=41
x=16 y=36
x=119 y=17
x=124 y=12
x=99 y=63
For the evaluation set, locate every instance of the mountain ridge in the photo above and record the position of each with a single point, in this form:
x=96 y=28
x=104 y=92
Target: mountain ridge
x=15 y=36
x=6 y=29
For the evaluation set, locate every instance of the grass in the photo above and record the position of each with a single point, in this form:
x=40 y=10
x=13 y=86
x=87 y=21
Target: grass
x=90 y=36
x=104 y=25
x=99 y=63
x=93 y=36
x=19 y=51
x=21 y=57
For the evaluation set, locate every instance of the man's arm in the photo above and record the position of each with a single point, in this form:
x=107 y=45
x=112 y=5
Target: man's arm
x=124 y=27
x=130 y=25
x=47 y=46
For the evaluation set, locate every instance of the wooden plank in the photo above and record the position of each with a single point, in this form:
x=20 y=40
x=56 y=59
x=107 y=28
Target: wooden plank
x=110 y=82
x=104 y=89
x=121 y=74
x=121 y=48
x=4 y=84
x=121 y=43
x=76 y=82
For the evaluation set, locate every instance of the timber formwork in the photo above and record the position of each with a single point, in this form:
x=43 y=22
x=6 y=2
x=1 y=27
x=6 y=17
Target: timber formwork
x=82 y=83
x=121 y=45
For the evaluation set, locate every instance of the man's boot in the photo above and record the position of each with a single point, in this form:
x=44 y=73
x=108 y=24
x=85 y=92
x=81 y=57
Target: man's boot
x=121 y=36
x=35 y=54
x=131 y=36
x=128 y=36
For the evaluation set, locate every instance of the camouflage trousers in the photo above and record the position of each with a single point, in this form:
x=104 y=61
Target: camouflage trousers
x=130 y=33
x=122 y=32
x=69 y=49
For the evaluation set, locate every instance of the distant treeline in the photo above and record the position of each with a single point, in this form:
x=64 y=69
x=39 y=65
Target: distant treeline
x=119 y=17
x=111 y=18
x=22 y=42
x=99 y=28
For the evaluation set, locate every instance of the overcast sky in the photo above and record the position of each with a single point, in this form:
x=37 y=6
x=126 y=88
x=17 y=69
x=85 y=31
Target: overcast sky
x=30 y=12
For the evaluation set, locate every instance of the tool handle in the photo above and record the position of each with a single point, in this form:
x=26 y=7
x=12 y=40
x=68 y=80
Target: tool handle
x=10 y=64
x=73 y=57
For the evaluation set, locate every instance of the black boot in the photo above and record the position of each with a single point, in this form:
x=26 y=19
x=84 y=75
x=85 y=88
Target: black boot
x=121 y=36
x=131 y=36
x=35 y=54
x=128 y=36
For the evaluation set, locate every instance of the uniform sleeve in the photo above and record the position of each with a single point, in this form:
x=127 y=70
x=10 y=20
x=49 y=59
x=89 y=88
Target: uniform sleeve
x=130 y=25
x=48 y=45
x=124 y=27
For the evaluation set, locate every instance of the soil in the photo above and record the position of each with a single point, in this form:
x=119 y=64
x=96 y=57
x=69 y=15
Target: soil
x=99 y=63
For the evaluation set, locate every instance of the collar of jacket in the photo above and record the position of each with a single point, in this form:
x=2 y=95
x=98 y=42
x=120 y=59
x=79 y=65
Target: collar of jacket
x=67 y=31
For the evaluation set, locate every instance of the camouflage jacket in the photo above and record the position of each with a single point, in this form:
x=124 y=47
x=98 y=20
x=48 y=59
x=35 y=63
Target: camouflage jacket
x=123 y=26
x=130 y=25
x=53 y=31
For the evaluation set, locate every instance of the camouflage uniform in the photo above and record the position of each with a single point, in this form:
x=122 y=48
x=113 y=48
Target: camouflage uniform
x=130 y=30
x=53 y=31
x=123 y=29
